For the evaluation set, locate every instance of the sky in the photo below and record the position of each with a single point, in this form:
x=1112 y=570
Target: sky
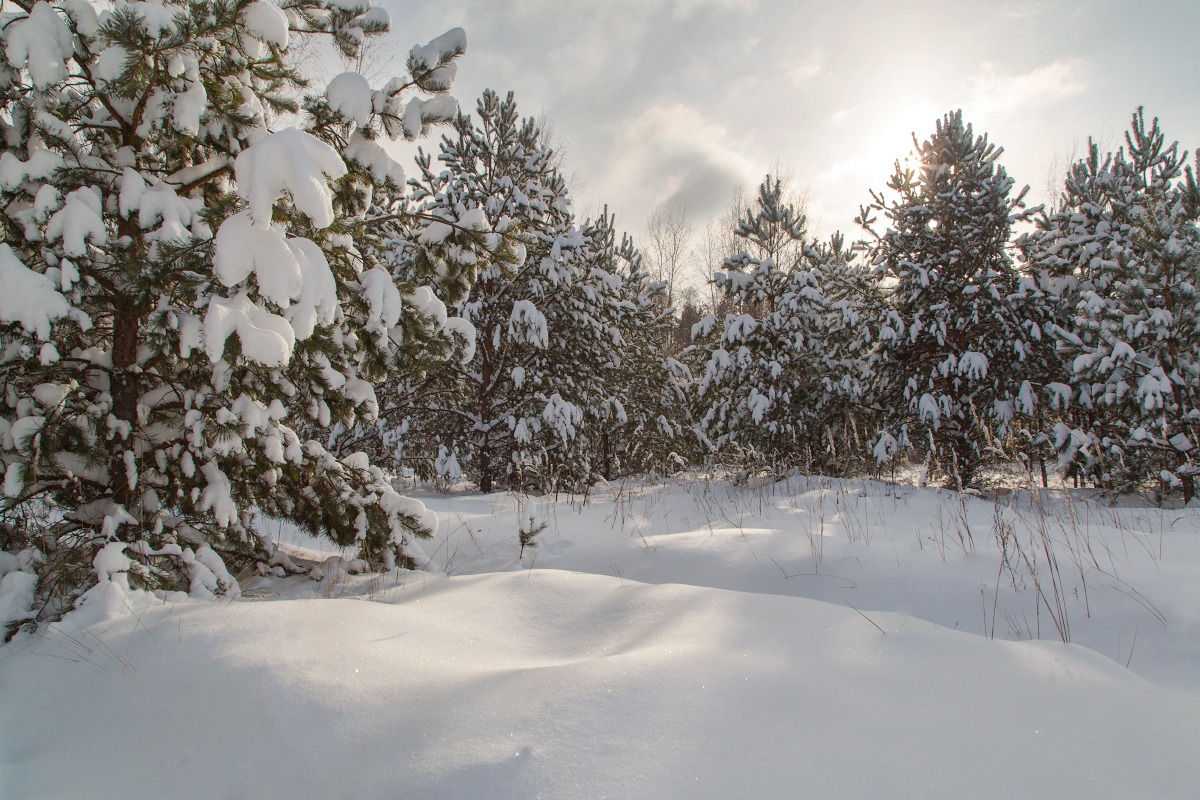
x=663 y=104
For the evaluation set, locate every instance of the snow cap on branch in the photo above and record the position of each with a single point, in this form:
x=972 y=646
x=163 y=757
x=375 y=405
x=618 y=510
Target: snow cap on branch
x=29 y=298
x=289 y=161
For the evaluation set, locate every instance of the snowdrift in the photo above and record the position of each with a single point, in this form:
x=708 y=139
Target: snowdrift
x=545 y=682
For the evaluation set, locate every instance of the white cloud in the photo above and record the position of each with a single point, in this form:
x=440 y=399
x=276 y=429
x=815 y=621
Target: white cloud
x=684 y=8
x=670 y=155
x=994 y=92
x=812 y=65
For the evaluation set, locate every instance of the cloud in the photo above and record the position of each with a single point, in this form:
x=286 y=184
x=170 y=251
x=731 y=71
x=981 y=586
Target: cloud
x=807 y=68
x=1027 y=10
x=684 y=8
x=670 y=156
x=993 y=92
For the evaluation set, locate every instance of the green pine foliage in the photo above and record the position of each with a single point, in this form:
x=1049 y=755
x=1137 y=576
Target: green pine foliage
x=1122 y=255
x=781 y=376
x=188 y=234
x=953 y=346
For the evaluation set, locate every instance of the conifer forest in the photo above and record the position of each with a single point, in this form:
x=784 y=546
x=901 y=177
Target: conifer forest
x=346 y=453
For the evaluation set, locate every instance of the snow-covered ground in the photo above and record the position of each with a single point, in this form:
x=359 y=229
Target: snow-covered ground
x=816 y=638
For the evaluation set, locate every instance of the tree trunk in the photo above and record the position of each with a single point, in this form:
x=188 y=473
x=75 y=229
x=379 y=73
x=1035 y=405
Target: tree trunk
x=486 y=479
x=125 y=386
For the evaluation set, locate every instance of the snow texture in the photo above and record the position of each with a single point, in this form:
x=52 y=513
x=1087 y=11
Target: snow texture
x=41 y=43
x=317 y=303
x=265 y=338
x=29 y=298
x=383 y=299
x=464 y=330
x=374 y=159
x=452 y=41
x=217 y=496
x=266 y=22
x=654 y=650
x=78 y=222
x=243 y=248
x=16 y=596
x=294 y=162
x=349 y=94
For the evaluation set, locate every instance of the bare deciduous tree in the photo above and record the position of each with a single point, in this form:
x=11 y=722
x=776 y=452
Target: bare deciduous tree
x=670 y=247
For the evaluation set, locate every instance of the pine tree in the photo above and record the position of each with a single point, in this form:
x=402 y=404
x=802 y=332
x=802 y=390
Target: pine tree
x=846 y=404
x=952 y=346
x=184 y=284
x=771 y=375
x=543 y=317
x=1122 y=253
x=635 y=423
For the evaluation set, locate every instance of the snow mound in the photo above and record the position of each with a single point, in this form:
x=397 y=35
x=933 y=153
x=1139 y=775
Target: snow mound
x=549 y=682
x=567 y=685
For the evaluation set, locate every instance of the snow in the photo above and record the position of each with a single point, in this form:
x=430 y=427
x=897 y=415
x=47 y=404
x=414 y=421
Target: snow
x=266 y=22
x=462 y=327
x=527 y=323
x=317 y=303
x=42 y=43
x=168 y=216
x=384 y=302
x=40 y=165
x=292 y=273
x=973 y=365
x=217 y=495
x=375 y=159
x=78 y=222
x=189 y=106
x=929 y=410
x=691 y=639
x=757 y=404
x=243 y=248
x=353 y=6
x=562 y=417
x=266 y=338
x=294 y=162
x=419 y=114
x=349 y=94
x=110 y=64
x=29 y=298
x=16 y=596
x=87 y=21
x=446 y=465
x=452 y=41
x=112 y=561
x=428 y=304
x=159 y=18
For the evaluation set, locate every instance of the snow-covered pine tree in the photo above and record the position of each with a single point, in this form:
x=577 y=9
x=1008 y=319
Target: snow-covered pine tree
x=952 y=345
x=846 y=406
x=1122 y=253
x=762 y=387
x=183 y=286
x=544 y=332
x=689 y=310
x=637 y=420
